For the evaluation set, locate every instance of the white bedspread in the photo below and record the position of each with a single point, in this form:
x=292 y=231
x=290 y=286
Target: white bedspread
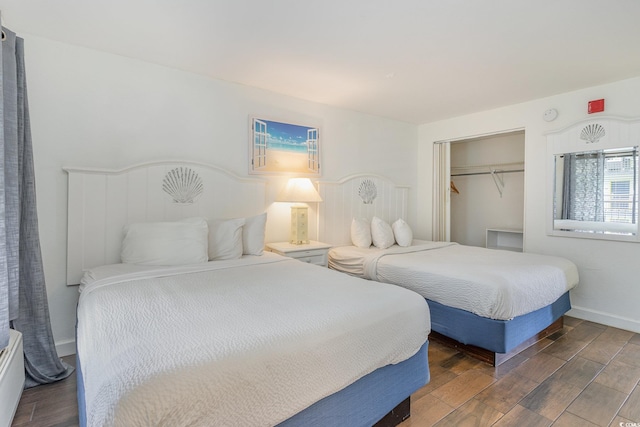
x=490 y=283
x=243 y=342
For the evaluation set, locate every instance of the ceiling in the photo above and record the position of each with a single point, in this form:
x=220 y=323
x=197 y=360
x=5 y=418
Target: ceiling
x=412 y=60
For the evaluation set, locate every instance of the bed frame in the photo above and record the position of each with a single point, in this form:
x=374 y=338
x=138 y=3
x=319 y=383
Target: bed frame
x=495 y=341
x=492 y=341
x=102 y=201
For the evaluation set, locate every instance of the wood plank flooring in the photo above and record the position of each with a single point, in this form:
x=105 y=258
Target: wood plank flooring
x=585 y=375
x=51 y=404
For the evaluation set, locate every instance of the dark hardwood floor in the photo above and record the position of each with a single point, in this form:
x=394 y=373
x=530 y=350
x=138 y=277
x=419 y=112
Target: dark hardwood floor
x=51 y=404
x=585 y=375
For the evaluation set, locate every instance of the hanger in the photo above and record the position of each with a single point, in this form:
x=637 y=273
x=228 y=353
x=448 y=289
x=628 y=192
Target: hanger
x=453 y=188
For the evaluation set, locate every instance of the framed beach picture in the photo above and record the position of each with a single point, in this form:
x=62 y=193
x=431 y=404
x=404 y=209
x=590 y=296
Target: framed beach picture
x=277 y=147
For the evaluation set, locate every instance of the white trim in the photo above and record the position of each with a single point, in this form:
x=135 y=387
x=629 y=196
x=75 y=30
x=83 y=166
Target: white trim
x=143 y=165
x=481 y=135
x=66 y=348
x=603 y=318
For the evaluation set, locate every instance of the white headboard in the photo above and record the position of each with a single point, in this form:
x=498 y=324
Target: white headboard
x=101 y=202
x=358 y=196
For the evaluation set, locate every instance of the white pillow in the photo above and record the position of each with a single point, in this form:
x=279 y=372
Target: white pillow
x=253 y=234
x=402 y=232
x=165 y=243
x=381 y=233
x=225 y=238
x=360 y=233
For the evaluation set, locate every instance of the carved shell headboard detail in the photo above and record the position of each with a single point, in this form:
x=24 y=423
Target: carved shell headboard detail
x=592 y=133
x=367 y=191
x=183 y=184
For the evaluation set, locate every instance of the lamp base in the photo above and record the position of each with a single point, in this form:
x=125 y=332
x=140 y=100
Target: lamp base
x=299 y=225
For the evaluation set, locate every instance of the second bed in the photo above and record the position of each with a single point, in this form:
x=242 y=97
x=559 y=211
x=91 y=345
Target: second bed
x=487 y=299
x=489 y=303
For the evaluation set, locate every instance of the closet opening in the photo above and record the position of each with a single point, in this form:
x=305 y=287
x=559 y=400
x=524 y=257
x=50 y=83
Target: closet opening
x=480 y=186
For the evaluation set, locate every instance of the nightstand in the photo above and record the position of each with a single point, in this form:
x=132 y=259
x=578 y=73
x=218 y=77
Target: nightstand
x=313 y=252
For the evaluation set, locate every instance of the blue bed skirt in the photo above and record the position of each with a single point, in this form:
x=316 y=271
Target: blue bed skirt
x=499 y=336
x=82 y=409
x=362 y=403
x=366 y=401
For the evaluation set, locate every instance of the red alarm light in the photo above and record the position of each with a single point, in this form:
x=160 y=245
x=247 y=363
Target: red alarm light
x=596 y=106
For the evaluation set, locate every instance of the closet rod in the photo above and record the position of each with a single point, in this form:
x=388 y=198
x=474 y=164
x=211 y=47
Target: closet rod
x=487 y=173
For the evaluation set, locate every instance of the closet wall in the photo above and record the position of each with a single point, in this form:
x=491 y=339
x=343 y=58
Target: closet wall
x=478 y=205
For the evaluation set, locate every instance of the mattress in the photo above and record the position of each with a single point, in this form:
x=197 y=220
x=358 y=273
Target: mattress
x=489 y=283
x=244 y=342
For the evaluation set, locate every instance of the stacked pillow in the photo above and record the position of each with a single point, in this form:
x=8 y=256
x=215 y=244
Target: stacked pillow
x=166 y=243
x=225 y=238
x=193 y=240
x=380 y=233
x=361 y=233
x=232 y=238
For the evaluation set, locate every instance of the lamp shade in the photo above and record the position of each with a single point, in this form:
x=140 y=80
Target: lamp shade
x=299 y=190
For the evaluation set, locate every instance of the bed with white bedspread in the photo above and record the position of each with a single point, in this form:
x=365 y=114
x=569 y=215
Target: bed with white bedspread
x=165 y=337
x=488 y=303
x=251 y=341
x=489 y=283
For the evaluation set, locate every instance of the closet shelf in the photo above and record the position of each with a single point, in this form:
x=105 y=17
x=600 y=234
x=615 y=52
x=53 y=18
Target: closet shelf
x=510 y=239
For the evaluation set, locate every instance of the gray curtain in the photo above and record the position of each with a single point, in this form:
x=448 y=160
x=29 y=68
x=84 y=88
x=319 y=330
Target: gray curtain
x=22 y=286
x=8 y=193
x=583 y=192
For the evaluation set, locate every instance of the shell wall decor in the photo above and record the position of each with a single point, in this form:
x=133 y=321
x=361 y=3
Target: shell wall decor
x=367 y=191
x=592 y=133
x=183 y=184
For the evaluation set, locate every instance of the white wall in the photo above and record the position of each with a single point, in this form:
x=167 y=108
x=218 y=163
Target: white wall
x=100 y=110
x=609 y=289
x=479 y=205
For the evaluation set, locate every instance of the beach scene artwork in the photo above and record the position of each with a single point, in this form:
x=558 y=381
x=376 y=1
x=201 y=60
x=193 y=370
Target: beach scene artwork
x=278 y=147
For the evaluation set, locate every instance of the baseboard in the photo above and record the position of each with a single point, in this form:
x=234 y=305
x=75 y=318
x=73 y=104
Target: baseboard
x=605 y=318
x=66 y=348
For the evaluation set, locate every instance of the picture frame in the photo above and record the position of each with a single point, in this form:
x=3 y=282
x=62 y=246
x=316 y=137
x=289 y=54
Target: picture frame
x=283 y=148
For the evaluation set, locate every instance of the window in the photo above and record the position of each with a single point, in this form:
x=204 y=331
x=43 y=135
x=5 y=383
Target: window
x=620 y=174
x=601 y=186
x=594 y=180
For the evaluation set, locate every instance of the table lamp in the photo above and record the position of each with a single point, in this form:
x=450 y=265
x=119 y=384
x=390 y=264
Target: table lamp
x=299 y=190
